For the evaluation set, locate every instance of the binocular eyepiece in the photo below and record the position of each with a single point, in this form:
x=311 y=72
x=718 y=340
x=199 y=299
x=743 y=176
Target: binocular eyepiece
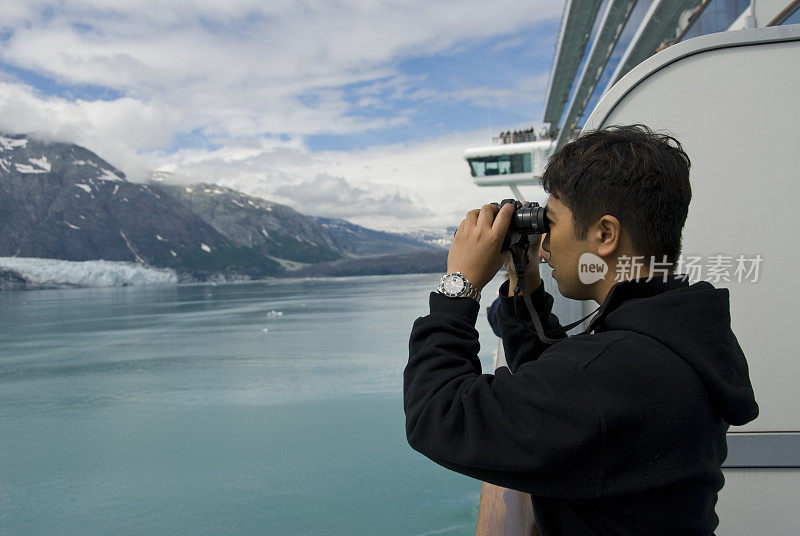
x=528 y=219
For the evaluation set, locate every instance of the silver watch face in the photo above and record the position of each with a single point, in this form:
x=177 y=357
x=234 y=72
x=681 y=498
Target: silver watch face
x=453 y=285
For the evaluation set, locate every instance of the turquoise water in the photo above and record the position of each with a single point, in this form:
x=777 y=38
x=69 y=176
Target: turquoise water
x=261 y=408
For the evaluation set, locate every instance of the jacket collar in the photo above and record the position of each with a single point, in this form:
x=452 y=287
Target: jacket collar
x=632 y=289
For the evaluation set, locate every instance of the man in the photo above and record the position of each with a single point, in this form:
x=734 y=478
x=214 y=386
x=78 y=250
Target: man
x=621 y=429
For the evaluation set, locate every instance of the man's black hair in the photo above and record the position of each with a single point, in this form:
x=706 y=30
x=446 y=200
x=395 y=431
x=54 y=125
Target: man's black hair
x=639 y=176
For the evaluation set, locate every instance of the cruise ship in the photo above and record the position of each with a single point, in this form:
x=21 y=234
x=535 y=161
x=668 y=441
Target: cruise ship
x=599 y=42
x=722 y=76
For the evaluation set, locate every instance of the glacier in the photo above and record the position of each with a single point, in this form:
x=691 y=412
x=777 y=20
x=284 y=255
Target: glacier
x=48 y=273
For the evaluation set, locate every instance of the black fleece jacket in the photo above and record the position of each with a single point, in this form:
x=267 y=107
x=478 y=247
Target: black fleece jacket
x=617 y=431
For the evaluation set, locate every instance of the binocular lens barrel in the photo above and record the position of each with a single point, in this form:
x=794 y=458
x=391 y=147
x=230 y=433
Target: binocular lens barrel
x=530 y=219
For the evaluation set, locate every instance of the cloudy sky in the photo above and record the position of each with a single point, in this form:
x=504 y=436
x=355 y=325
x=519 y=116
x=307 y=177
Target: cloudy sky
x=357 y=109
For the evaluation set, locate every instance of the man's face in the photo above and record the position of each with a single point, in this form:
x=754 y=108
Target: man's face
x=564 y=251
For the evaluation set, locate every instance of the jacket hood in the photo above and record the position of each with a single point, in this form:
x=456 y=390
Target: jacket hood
x=693 y=321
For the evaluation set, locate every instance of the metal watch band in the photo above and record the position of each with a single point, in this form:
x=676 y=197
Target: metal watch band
x=468 y=290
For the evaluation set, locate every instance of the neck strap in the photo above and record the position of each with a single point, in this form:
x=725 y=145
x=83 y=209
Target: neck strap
x=520 y=258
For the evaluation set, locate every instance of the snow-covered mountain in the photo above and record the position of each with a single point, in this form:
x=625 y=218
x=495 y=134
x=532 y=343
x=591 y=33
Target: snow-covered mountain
x=61 y=201
x=356 y=240
x=435 y=237
x=282 y=233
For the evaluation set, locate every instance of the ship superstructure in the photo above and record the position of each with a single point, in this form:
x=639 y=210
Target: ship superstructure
x=599 y=42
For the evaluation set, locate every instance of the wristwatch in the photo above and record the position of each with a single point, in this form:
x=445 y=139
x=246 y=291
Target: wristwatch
x=455 y=285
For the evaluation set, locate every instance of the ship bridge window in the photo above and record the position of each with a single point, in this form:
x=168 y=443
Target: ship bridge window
x=715 y=16
x=506 y=164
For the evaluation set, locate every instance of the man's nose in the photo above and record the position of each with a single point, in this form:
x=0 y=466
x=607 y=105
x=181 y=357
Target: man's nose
x=544 y=249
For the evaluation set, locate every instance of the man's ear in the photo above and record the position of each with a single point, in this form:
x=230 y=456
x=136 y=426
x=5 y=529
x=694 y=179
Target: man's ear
x=609 y=235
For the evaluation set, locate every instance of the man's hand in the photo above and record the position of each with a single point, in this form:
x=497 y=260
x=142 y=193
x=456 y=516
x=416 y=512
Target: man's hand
x=475 y=251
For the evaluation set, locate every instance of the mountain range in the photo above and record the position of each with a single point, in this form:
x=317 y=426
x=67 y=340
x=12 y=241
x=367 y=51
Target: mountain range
x=62 y=201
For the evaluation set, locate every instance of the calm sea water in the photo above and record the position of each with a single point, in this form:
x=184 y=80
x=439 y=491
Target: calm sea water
x=261 y=408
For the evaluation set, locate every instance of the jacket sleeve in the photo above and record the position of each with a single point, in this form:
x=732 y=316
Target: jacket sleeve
x=536 y=431
x=520 y=342
x=492 y=316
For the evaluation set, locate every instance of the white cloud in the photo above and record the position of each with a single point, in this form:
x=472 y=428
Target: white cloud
x=256 y=79
x=400 y=186
x=250 y=67
x=326 y=195
x=110 y=128
x=433 y=172
x=527 y=92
